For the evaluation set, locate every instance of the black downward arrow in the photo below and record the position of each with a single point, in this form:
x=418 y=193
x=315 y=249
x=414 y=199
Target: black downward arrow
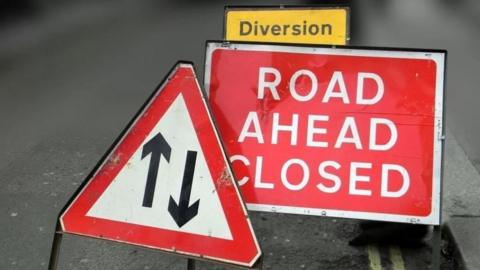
x=181 y=212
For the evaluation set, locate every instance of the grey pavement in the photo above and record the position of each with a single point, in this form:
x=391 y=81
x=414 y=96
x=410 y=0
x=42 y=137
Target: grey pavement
x=69 y=85
x=463 y=230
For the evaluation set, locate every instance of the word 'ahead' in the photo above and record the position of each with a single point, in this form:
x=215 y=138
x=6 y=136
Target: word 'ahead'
x=338 y=132
x=167 y=183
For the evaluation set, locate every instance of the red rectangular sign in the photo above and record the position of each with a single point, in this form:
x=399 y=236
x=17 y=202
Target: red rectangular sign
x=332 y=131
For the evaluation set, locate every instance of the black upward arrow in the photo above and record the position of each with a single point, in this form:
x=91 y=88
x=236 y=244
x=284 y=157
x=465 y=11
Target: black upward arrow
x=157 y=147
x=181 y=212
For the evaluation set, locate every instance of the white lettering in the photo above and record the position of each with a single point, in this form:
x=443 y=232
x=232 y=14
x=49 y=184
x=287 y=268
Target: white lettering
x=349 y=124
x=313 y=89
x=262 y=84
x=312 y=130
x=306 y=174
x=405 y=184
x=335 y=179
x=374 y=122
x=258 y=175
x=355 y=178
x=252 y=118
x=293 y=128
x=245 y=161
x=337 y=78
x=360 y=83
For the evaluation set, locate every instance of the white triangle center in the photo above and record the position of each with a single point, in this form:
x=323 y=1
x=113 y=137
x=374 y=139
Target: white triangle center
x=122 y=200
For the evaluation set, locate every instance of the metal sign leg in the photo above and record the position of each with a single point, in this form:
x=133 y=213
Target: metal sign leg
x=259 y=264
x=190 y=264
x=436 y=247
x=55 y=252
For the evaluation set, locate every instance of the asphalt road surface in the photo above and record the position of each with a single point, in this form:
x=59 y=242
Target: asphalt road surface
x=72 y=76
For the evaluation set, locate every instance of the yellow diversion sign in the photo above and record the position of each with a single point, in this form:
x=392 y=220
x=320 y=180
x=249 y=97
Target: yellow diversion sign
x=288 y=25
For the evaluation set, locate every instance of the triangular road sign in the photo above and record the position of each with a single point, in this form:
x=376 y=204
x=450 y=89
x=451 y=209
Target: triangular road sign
x=166 y=184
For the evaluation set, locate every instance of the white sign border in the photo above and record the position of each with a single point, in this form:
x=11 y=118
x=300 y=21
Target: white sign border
x=438 y=56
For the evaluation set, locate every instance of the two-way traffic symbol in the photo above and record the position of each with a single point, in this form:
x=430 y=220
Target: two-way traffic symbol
x=181 y=212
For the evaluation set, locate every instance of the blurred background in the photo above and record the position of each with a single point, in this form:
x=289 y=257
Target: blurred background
x=52 y=49
x=73 y=73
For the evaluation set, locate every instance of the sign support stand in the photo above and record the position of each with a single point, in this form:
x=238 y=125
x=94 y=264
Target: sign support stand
x=55 y=252
x=190 y=264
x=437 y=229
x=436 y=246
